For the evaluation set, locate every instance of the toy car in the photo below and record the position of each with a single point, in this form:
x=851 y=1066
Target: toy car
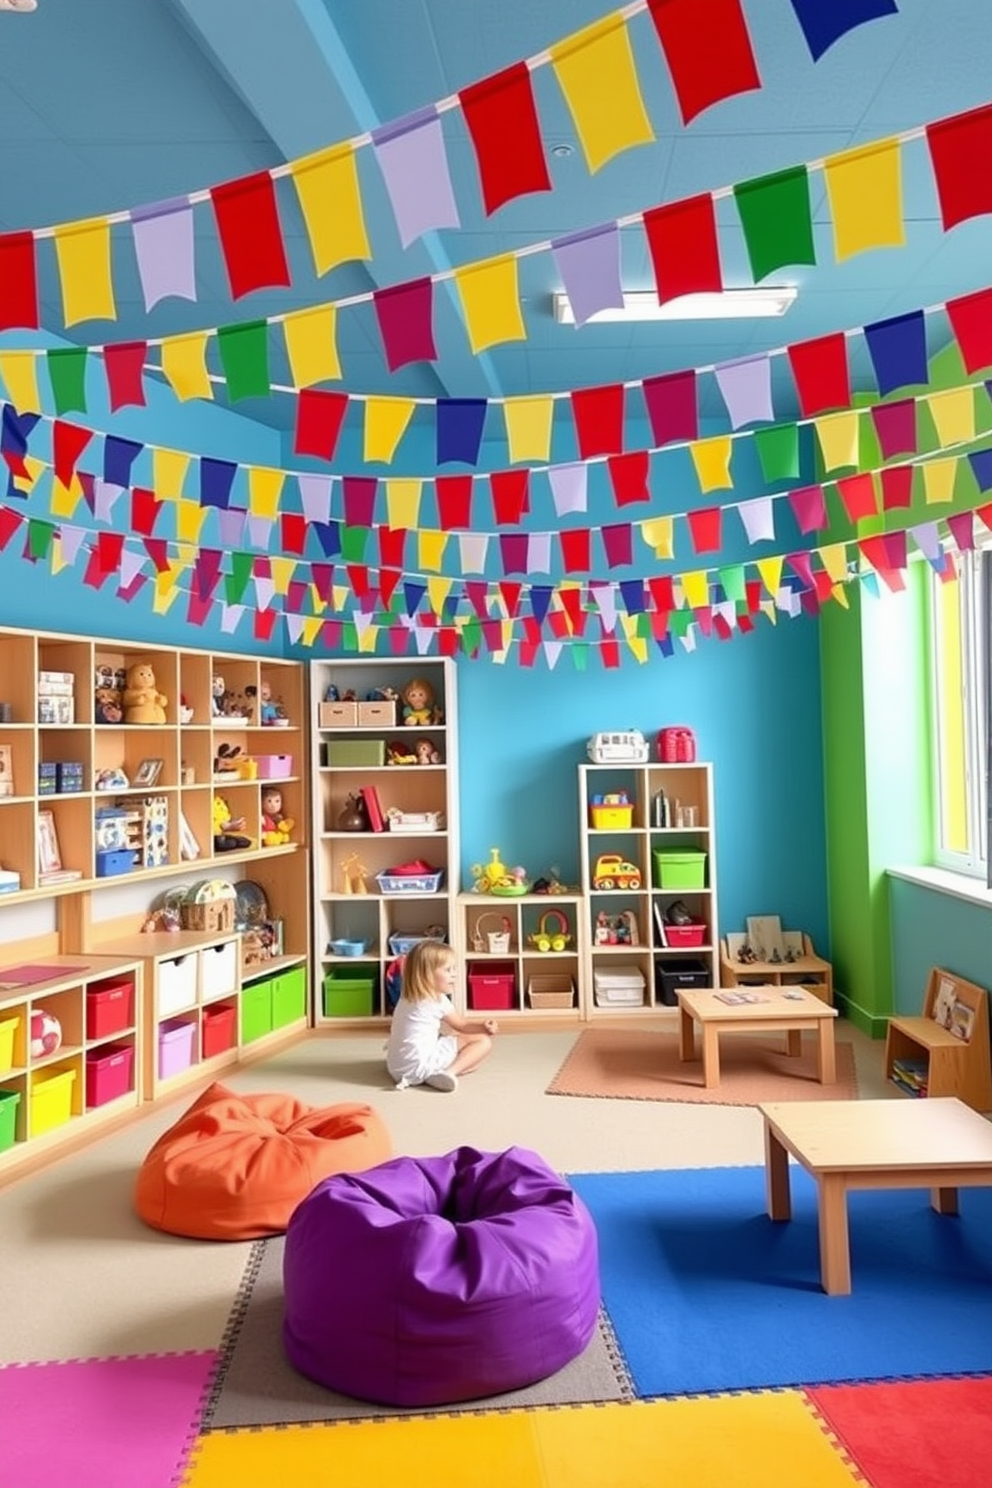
x=613 y=872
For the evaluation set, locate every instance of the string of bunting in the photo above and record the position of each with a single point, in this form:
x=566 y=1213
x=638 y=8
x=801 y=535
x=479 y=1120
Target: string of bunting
x=709 y=57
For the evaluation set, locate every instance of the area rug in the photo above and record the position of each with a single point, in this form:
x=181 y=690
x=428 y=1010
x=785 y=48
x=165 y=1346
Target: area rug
x=706 y=1293
x=624 y=1064
x=256 y=1386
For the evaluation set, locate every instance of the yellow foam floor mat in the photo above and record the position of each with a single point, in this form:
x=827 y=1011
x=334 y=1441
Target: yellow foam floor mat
x=764 y=1440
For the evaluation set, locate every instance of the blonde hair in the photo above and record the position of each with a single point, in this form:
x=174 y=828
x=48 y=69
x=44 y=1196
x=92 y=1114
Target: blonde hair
x=423 y=962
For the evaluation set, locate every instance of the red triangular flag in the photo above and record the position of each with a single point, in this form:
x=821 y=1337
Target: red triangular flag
x=704 y=525
x=629 y=475
x=897 y=487
x=617 y=540
x=263 y=624
x=392 y=541
x=405 y=314
x=685 y=252
x=598 y=415
x=293 y=531
x=961 y=155
x=820 y=371
x=145 y=507
x=511 y=495
x=250 y=235
x=388 y=580
x=662 y=593
x=962 y=530
x=319 y=417
x=609 y=650
x=68 y=443
x=575 y=550
x=571 y=602
x=158 y=551
x=971 y=321
x=707 y=61
x=18 y=282
x=510 y=593
x=503 y=125
x=109 y=547
x=857 y=492
x=671 y=405
x=124 y=364
x=454 y=501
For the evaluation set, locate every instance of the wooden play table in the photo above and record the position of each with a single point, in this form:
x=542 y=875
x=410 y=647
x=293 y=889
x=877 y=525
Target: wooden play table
x=787 y=1010
x=940 y=1144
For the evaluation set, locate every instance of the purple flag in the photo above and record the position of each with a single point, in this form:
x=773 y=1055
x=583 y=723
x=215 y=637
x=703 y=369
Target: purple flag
x=259 y=532
x=746 y=388
x=459 y=425
x=898 y=350
x=405 y=313
x=163 y=244
x=569 y=487
x=231 y=525
x=589 y=265
x=927 y=538
x=118 y=457
x=414 y=166
x=105 y=498
x=513 y=547
x=315 y=494
x=825 y=21
x=809 y=508
x=216 y=480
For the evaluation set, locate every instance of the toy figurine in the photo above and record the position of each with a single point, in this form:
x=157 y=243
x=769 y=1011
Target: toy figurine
x=419 y=707
x=141 y=699
x=425 y=753
x=228 y=834
x=353 y=874
x=268 y=709
x=276 y=828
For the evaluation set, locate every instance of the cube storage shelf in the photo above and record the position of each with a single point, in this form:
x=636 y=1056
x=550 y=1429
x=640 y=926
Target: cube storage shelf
x=358 y=745
x=76 y=1067
x=515 y=960
x=634 y=871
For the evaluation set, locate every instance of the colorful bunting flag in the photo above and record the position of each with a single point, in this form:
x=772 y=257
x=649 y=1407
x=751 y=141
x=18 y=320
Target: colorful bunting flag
x=250 y=235
x=319 y=417
x=311 y=345
x=67 y=374
x=405 y=316
x=184 y=363
x=19 y=371
x=777 y=448
x=244 y=355
x=490 y=300
x=705 y=529
x=819 y=368
x=825 y=21
x=331 y=203
x=864 y=187
x=589 y=265
x=671 y=406
x=528 y=427
x=938 y=481
x=569 y=488
x=857 y=492
x=164 y=240
x=596 y=73
x=386 y=421
x=119 y=456
x=838 y=436
x=459 y=423
x=454 y=501
x=897 y=487
x=953 y=414
x=711 y=458
x=576 y=552
x=629 y=477
x=18 y=282
x=758 y=517
x=511 y=496
x=598 y=416
x=707 y=63
x=895 y=425
x=971 y=321
x=898 y=351
x=685 y=252
x=124 y=364
x=502 y=123
x=746 y=389
x=412 y=158
x=809 y=508
x=776 y=220
x=82 y=251
x=216 y=482
x=961 y=152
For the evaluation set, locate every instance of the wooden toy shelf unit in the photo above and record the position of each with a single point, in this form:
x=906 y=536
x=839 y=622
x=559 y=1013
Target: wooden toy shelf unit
x=946 y=1051
x=403 y=771
x=101 y=816
x=523 y=955
x=648 y=845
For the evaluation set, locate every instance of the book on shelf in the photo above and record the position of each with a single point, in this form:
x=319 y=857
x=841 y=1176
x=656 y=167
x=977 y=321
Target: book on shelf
x=373 y=808
x=659 y=920
x=60 y=875
x=962 y=1021
x=943 y=1005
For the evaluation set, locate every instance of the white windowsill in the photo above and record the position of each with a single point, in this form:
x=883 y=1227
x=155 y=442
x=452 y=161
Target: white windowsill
x=946 y=882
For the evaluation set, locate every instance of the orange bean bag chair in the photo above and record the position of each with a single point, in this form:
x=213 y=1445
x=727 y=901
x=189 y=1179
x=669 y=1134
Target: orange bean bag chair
x=234 y=1167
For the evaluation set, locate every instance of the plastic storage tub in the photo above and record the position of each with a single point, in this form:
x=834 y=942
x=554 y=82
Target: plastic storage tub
x=673 y=974
x=491 y=986
x=51 y=1100
x=9 y=1102
x=349 y=994
x=289 y=996
x=410 y=883
x=175 y=1047
x=680 y=870
x=109 y=1073
x=621 y=986
x=109 y=1008
x=256 y=1010
x=8 y=1028
x=219 y=1031
x=685 y=935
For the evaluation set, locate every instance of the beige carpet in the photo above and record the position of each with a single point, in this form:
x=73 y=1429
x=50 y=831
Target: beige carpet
x=626 y=1064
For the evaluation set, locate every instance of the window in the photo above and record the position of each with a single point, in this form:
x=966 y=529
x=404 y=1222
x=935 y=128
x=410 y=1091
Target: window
x=962 y=647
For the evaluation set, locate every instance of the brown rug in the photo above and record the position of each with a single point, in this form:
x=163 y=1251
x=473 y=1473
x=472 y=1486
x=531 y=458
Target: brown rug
x=627 y=1065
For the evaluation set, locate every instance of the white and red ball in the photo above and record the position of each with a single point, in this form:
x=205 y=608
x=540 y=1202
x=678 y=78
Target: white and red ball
x=46 y=1033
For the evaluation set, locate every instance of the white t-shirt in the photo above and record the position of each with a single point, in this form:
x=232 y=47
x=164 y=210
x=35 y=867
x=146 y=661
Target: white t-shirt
x=416 y=1047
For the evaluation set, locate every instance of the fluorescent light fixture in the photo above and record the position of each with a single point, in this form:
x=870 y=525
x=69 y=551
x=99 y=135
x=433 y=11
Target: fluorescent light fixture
x=18 y=4
x=728 y=304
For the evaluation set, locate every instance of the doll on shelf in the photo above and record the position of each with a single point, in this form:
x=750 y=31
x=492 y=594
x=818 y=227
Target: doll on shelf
x=425 y=753
x=276 y=828
x=419 y=705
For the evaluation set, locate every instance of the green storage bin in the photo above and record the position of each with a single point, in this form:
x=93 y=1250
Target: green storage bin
x=680 y=870
x=350 y=994
x=9 y=1101
x=289 y=996
x=356 y=751
x=256 y=1010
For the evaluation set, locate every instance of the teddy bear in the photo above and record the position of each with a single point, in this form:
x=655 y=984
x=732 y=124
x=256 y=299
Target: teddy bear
x=141 y=699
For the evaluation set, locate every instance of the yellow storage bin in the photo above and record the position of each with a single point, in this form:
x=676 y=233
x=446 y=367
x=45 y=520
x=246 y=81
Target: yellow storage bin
x=51 y=1101
x=8 y=1031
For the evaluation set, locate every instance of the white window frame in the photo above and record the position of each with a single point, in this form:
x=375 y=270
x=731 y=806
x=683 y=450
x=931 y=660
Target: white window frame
x=974 y=611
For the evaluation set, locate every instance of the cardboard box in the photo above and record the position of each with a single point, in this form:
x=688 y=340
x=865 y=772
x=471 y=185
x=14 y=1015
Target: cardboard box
x=337 y=715
x=378 y=714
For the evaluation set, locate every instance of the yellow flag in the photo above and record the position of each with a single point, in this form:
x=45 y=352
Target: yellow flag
x=528 y=428
x=83 y=254
x=184 y=362
x=264 y=491
x=938 y=480
x=437 y=592
x=283 y=570
x=311 y=346
x=331 y=202
x=169 y=469
x=368 y=637
x=711 y=458
x=403 y=502
x=65 y=499
x=658 y=535
x=19 y=370
x=316 y=599
x=837 y=434
x=491 y=302
x=696 y=588
x=311 y=629
x=190 y=517
x=430 y=549
x=770 y=572
x=865 y=191
x=953 y=415
x=595 y=70
x=638 y=647
x=166 y=587
x=834 y=560
x=37 y=468
x=839 y=593
x=385 y=424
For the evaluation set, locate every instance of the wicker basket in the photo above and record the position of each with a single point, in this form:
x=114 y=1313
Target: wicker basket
x=486 y=939
x=554 y=990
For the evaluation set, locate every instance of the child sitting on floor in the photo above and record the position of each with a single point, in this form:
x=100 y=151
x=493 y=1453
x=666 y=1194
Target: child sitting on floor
x=429 y=1044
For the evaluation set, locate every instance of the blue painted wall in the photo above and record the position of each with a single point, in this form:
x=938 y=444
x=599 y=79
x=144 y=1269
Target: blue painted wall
x=929 y=929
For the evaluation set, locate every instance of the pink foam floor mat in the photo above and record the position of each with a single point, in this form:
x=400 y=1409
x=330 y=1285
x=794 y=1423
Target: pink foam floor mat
x=102 y=1423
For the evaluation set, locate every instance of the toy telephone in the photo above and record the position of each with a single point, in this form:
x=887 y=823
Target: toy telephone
x=552 y=932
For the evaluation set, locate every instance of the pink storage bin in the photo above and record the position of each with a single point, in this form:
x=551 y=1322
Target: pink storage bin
x=274 y=766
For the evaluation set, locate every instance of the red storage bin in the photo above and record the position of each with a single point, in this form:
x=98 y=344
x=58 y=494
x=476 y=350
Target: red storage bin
x=676 y=745
x=491 y=985
x=685 y=935
x=109 y=1073
x=109 y=1008
x=219 y=1032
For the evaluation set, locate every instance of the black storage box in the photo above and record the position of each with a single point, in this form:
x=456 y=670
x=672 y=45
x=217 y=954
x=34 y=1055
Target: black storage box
x=671 y=974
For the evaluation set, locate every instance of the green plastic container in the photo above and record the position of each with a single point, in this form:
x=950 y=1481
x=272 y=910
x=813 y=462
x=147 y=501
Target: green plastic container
x=256 y=1010
x=356 y=751
x=9 y=1101
x=349 y=994
x=680 y=870
x=289 y=996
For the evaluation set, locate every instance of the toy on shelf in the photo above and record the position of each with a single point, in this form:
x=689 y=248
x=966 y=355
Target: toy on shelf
x=552 y=933
x=228 y=830
x=354 y=815
x=400 y=752
x=419 y=704
x=495 y=878
x=111 y=780
x=276 y=827
x=141 y=699
x=484 y=938
x=218 y=691
x=550 y=883
x=618 y=929
x=353 y=875
x=614 y=872
x=271 y=713
x=425 y=753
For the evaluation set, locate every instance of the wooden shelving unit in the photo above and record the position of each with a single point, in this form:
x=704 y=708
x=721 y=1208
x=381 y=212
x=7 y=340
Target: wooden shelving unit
x=350 y=751
x=808 y=970
x=942 y=1060
x=525 y=953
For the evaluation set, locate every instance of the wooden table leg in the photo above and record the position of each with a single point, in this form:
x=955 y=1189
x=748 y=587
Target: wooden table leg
x=793 y=1042
x=687 y=1041
x=835 y=1249
x=826 y=1052
x=711 y=1055
x=778 y=1196
x=944 y=1200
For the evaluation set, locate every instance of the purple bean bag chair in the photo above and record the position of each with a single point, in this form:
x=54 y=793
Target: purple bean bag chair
x=430 y=1280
